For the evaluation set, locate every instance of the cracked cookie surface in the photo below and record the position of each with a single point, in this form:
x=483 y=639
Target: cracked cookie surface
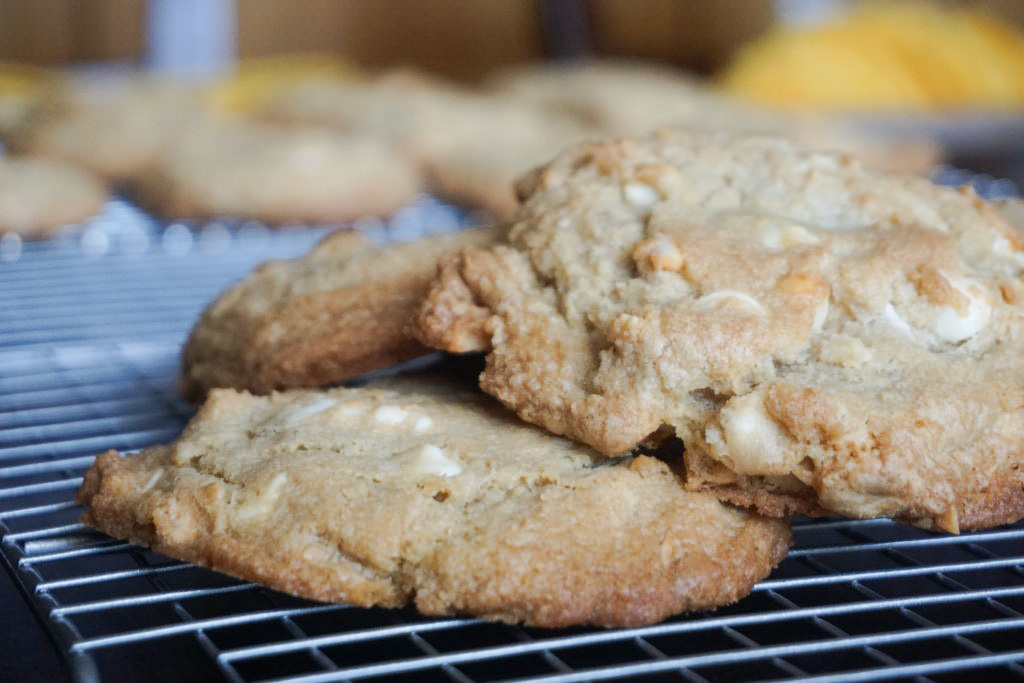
x=413 y=491
x=340 y=310
x=824 y=339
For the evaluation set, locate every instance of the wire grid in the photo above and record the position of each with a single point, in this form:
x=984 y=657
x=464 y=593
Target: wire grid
x=88 y=358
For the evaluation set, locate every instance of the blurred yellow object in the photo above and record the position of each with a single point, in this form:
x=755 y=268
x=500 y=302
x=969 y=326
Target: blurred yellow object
x=20 y=87
x=23 y=79
x=886 y=56
x=257 y=80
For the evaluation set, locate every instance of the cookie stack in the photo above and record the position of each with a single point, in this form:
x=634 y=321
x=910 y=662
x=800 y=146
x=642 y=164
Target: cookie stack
x=687 y=337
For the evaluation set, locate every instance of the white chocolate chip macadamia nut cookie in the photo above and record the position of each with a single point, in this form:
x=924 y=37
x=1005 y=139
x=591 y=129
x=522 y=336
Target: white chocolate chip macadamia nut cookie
x=414 y=492
x=340 y=310
x=824 y=339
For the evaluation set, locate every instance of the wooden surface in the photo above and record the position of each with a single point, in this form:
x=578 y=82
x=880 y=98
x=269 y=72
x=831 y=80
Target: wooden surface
x=700 y=35
x=61 y=31
x=456 y=37
x=463 y=38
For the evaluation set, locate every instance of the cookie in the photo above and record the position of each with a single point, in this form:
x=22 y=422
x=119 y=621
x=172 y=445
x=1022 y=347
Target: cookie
x=406 y=108
x=472 y=146
x=417 y=493
x=114 y=127
x=625 y=97
x=339 y=311
x=823 y=339
x=247 y=170
x=619 y=97
x=492 y=142
x=39 y=195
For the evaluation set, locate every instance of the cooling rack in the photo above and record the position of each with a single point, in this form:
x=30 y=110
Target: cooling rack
x=91 y=325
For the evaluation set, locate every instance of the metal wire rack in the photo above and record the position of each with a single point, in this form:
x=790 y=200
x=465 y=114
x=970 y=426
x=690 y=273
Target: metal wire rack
x=90 y=330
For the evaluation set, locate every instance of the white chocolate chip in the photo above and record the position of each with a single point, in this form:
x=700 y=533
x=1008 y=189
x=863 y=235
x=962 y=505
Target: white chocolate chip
x=430 y=460
x=390 y=415
x=750 y=301
x=825 y=160
x=820 y=315
x=755 y=442
x=1003 y=247
x=423 y=423
x=313 y=408
x=640 y=195
x=263 y=502
x=952 y=327
x=153 y=479
x=774 y=237
x=351 y=409
x=897 y=321
x=845 y=351
x=771 y=238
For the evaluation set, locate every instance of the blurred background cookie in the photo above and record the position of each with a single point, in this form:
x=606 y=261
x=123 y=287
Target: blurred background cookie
x=620 y=97
x=114 y=126
x=276 y=175
x=39 y=195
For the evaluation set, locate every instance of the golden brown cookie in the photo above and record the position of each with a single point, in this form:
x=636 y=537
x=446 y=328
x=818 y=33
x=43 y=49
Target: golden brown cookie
x=821 y=337
x=339 y=311
x=414 y=492
x=38 y=195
